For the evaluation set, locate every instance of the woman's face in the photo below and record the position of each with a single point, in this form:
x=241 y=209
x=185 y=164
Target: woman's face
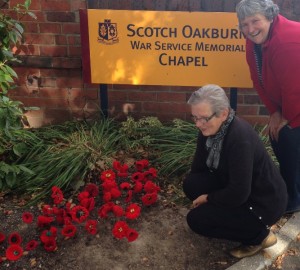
x=256 y=28
x=203 y=110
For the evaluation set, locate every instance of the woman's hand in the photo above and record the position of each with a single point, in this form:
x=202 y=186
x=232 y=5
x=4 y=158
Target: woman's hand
x=276 y=123
x=200 y=200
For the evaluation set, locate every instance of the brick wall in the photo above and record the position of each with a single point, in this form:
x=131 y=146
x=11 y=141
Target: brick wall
x=50 y=75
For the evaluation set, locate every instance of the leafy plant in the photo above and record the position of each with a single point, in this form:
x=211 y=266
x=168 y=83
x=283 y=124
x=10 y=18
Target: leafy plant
x=13 y=138
x=65 y=160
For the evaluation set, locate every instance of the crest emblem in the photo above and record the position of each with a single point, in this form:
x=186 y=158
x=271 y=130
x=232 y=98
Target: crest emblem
x=108 y=32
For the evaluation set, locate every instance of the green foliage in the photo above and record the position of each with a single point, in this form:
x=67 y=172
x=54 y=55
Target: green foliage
x=64 y=158
x=12 y=136
x=139 y=134
x=65 y=155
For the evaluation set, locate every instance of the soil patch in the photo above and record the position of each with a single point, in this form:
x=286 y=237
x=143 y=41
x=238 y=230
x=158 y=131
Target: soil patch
x=164 y=242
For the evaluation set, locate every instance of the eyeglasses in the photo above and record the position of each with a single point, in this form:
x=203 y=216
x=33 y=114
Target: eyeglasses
x=202 y=120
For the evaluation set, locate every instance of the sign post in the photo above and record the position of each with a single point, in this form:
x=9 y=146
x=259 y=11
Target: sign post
x=163 y=48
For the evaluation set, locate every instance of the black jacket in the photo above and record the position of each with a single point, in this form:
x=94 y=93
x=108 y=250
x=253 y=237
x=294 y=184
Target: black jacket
x=246 y=174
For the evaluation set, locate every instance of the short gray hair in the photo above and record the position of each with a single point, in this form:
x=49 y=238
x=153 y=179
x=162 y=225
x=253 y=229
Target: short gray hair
x=247 y=8
x=213 y=95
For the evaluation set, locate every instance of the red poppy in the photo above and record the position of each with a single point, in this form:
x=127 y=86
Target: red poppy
x=60 y=215
x=141 y=164
x=129 y=196
x=27 y=217
x=67 y=221
x=31 y=245
x=2 y=237
x=117 y=165
x=150 y=174
x=14 y=239
x=14 y=252
x=138 y=187
x=133 y=211
x=104 y=209
x=91 y=226
x=47 y=210
x=44 y=221
x=57 y=195
x=50 y=245
x=88 y=203
x=120 y=229
x=150 y=187
x=118 y=210
x=79 y=213
x=83 y=195
x=137 y=176
x=47 y=235
x=131 y=235
x=68 y=231
x=107 y=197
x=108 y=175
x=122 y=169
x=149 y=198
x=125 y=185
x=92 y=189
x=109 y=184
x=115 y=193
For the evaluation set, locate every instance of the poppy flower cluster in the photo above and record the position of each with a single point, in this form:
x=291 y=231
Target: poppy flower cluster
x=121 y=193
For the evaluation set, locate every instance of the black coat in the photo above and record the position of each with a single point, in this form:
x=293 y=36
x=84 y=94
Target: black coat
x=246 y=174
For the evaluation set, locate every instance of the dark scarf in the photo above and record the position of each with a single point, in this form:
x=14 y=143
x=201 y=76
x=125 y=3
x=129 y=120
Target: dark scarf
x=214 y=143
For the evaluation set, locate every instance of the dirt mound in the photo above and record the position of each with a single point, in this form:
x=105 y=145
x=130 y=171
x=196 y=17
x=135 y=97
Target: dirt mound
x=164 y=242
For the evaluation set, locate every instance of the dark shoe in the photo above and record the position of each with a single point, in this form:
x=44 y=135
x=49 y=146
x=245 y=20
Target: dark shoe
x=246 y=251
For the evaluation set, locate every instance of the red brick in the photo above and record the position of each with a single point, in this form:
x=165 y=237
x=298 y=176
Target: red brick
x=61 y=40
x=22 y=91
x=125 y=86
x=171 y=97
x=165 y=107
x=256 y=120
x=142 y=96
x=74 y=40
x=35 y=4
x=55 y=16
x=247 y=110
x=92 y=86
x=30 y=27
x=64 y=62
x=117 y=95
x=69 y=82
x=54 y=28
x=39 y=16
x=71 y=28
x=60 y=73
x=74 y=51
x=48 y=82
x=252 y=99
x=78 y=4
x=53 y=50
x=56 y=5
x=39 y=39
x=27 y=50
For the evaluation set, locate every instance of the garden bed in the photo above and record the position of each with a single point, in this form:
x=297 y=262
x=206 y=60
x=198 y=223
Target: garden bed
x=164 y=242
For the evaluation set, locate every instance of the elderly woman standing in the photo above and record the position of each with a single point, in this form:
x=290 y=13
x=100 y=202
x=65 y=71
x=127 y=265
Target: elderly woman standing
x=273 y=56
x=236 y=190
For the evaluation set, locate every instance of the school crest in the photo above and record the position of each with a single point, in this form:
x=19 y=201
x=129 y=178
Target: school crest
x=107 y=32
